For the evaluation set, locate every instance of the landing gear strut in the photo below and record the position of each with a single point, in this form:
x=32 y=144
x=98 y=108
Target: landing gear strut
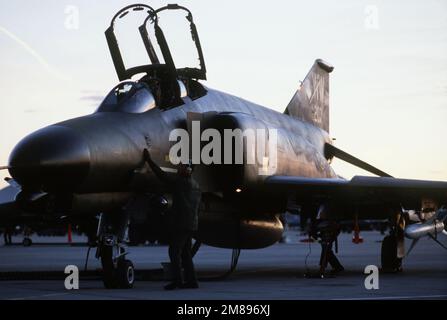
x=393 y=246
x=390 y=262
x=118 y=272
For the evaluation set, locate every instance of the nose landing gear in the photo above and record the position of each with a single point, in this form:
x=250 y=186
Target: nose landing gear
x=118 y=272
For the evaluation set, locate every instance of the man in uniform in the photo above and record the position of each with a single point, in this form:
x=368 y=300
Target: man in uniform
x=327 y=230
x=182 y=221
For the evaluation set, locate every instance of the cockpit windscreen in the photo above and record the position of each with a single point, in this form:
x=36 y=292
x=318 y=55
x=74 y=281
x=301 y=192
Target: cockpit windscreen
x=128 y=97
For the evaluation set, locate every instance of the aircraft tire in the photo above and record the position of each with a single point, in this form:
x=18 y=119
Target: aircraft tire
x=389 y=259
x=108 y=269
x=27 y=242
x=125 y=274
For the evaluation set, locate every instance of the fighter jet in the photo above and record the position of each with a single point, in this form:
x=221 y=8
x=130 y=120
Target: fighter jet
x=88 y=166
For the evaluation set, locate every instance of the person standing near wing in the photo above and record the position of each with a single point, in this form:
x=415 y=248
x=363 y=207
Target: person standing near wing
x=327 y=231
x=183 y=221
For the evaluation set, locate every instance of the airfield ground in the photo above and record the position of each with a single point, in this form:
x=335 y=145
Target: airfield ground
x=271 y=273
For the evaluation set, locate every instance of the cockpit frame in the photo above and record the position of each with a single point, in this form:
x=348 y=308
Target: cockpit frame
x=115 y=52
x=168 y=68
x=190 y=73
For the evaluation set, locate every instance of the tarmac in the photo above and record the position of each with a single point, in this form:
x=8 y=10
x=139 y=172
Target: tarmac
x=276 y=272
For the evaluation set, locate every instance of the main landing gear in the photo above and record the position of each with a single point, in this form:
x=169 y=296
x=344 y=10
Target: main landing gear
x=390 y=261
x=393 y=249
x=118 y=272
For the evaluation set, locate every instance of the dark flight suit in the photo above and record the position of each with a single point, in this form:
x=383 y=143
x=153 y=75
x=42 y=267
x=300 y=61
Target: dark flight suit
x=328 y=231
x=182 y=222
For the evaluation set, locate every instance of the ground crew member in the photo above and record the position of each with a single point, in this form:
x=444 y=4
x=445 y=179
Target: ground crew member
x=327 y=230
x=182 y=221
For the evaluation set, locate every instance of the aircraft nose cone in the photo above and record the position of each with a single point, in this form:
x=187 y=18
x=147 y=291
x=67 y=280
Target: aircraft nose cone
x=55 y=157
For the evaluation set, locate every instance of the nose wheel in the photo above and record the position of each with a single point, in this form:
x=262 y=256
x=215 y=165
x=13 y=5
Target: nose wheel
x=118 y=272
x=125 y=274
x=27 y=242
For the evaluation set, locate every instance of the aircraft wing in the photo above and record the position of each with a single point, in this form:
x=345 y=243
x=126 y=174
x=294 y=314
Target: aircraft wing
x=8 y=208
x=363 y=190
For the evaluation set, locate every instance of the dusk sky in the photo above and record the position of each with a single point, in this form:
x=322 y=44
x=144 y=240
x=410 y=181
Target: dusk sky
x=388 y=95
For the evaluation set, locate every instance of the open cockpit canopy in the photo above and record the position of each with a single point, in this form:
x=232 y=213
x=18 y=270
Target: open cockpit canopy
x=164 y=79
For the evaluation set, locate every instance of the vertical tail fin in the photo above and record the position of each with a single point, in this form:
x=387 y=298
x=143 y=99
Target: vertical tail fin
x=311 y=101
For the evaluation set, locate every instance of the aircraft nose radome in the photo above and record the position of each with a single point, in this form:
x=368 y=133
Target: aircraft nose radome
x=53 y=157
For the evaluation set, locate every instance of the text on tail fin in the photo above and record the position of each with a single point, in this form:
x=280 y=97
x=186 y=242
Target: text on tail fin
x=311 y=101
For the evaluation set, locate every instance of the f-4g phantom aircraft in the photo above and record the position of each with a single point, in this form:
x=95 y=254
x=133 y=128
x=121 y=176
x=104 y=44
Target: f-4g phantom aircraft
x=87 y=166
